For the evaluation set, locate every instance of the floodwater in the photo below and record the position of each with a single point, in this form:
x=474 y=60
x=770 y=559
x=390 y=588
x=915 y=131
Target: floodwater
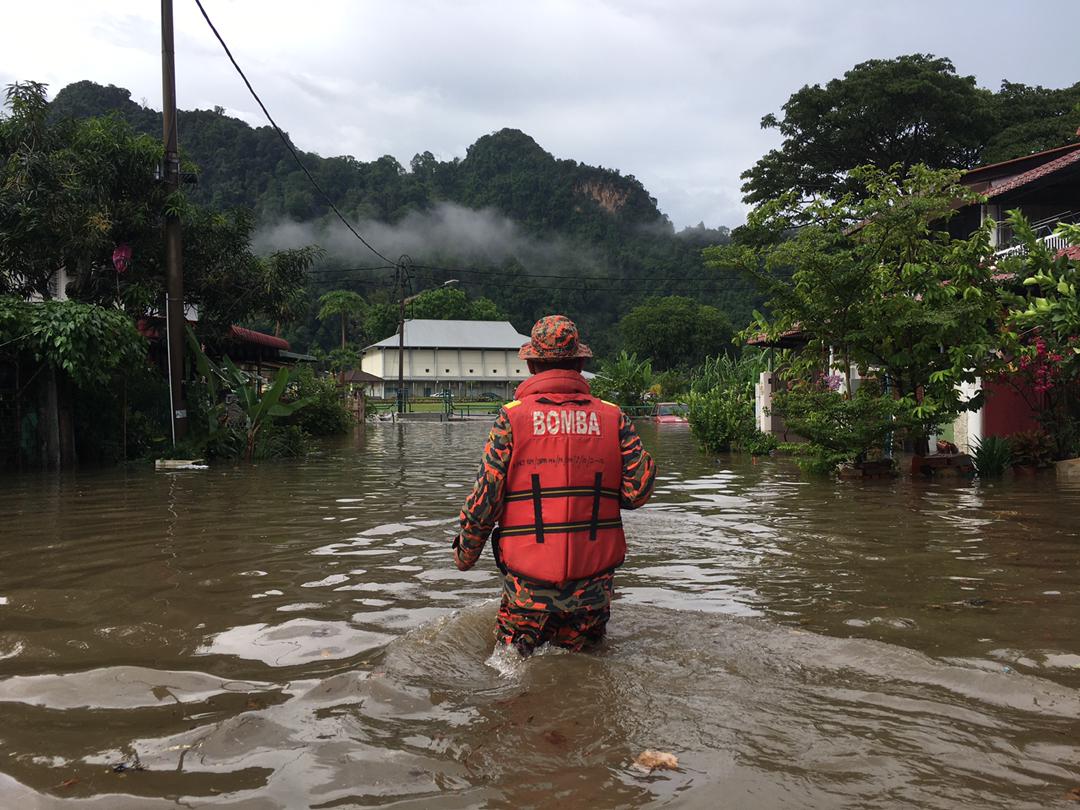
x=294 y=635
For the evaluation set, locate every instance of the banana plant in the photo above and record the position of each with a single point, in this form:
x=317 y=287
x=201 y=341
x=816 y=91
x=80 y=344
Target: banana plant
x=259 y=406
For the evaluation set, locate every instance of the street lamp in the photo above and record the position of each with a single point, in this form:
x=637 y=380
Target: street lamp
x=402 y=269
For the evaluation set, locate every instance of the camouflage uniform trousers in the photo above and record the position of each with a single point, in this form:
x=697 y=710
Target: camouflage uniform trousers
x=573 y=617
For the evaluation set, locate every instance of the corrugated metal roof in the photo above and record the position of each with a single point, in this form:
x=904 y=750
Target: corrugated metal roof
x=430 y=334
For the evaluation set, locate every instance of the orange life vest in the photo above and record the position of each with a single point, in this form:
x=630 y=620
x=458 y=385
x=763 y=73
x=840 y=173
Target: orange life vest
x=561 y=516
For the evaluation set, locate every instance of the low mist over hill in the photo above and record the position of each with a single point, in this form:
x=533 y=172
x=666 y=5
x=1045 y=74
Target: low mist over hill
x=509 y=220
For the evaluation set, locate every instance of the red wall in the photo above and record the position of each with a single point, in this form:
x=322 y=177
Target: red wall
x=1006 y=411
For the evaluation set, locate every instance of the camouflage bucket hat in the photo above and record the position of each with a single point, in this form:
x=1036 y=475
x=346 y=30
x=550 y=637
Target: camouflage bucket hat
x=554 y=337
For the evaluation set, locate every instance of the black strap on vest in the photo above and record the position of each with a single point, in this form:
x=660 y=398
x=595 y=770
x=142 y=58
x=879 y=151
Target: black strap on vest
x=496 y=549
x=538 y=508
x=597 y=488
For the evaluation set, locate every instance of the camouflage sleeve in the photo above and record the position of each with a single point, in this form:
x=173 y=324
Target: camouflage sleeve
x=638 y=467
x=482 y=507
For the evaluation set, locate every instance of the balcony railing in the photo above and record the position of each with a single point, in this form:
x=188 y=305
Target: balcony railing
x=1055 y=243
x=1044 y=229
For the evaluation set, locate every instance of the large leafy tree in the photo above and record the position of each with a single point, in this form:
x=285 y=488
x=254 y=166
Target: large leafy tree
x=1031 y=119
x=69 y=192
x=72 y=191
x=675 y=332
x=883 y=112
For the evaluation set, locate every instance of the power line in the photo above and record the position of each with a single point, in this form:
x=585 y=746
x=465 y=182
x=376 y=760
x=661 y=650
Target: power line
x=285 y=140
x=350 y=269
x=643 y=285
x=525 y=282
x=615 y=279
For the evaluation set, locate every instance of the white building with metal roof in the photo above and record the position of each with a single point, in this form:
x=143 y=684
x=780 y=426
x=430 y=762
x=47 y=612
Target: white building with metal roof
x=471 y=359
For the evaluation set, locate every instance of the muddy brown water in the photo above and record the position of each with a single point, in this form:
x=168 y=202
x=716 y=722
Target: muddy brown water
x=294 y=635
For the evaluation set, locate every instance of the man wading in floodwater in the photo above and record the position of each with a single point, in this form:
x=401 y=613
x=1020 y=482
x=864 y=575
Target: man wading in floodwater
x=558 y=467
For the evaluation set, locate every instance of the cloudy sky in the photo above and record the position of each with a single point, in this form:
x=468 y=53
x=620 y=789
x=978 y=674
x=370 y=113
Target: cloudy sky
x=670 y=91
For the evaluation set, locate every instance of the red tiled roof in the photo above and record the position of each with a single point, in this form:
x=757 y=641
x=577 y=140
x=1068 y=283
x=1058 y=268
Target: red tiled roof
x=148 y=328
x=1055 y=165
x=258 y=338
x=790 y=337
x=991 y=168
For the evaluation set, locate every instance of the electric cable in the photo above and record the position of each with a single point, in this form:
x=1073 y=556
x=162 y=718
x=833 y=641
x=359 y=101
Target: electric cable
x=615 y=279
x=285 y=139
x=691 y=288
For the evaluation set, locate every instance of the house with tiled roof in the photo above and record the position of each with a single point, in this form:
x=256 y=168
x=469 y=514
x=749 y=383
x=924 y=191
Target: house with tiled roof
x=1045 y=186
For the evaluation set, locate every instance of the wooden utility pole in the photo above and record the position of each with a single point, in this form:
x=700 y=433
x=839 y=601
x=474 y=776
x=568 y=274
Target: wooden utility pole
x=402 y=277
x=174 y=301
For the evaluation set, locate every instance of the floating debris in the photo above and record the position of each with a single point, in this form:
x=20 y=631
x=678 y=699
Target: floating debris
x=649 y=761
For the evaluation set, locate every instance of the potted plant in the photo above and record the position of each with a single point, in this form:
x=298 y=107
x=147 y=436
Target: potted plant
x=1031 y=450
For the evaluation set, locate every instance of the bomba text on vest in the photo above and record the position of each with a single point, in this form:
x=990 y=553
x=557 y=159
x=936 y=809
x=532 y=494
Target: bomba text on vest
x=553 y=423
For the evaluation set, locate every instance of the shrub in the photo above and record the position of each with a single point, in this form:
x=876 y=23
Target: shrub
x=838 y=429
x=281 y=441
x=623 y=380
x=722 y=405
x=992 y=456
x=724 y=371
x=326 y=413
x=1032 y=448
x=758 y=443
x=719 y=418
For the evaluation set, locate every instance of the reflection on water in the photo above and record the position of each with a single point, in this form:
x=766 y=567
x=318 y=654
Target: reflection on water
x=294 y=635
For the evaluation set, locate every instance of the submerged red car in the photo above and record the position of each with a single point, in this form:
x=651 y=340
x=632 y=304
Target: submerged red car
x=670 y=413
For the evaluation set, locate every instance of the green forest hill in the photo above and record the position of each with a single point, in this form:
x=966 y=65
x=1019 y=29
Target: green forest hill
x=536 y=234
x=590 y=242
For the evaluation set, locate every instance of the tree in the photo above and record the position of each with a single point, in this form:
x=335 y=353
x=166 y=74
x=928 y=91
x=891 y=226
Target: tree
x=623 y=380
x=883 y=112
x=451 y=303
x=72 y=191
x=877 y=284
x=87 y=343
x=1030 y=119
x=344 y=304
x=69 y=192
x=674 y=332
x=283 y=280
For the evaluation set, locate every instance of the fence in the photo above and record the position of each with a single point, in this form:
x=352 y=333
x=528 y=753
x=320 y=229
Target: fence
x=377 y=408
